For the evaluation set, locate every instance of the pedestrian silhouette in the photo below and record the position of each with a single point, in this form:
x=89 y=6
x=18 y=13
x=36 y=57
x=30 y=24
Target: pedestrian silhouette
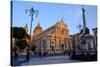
x=27 y=56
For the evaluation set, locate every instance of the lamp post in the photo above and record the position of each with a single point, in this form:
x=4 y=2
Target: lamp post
x=32 y=12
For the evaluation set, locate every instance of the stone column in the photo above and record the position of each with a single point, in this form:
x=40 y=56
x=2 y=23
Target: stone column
x=48 y=43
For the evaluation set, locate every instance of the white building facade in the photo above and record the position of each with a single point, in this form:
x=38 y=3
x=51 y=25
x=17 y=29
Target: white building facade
x=53 y=40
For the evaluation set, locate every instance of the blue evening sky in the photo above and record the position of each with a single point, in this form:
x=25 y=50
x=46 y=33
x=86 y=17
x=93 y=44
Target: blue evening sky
x=50 y=13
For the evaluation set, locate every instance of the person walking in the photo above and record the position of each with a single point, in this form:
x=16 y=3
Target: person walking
x=27 y=56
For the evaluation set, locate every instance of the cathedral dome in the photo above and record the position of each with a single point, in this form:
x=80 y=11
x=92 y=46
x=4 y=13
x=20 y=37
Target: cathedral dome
x=37 y=29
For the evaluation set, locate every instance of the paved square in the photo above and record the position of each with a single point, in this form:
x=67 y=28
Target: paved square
x=46 y=60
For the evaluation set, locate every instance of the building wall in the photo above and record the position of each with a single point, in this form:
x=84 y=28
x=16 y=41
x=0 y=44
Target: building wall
x=55 y=39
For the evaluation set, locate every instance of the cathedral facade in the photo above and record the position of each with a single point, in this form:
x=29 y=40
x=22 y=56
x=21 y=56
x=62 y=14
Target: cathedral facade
x=55 y=39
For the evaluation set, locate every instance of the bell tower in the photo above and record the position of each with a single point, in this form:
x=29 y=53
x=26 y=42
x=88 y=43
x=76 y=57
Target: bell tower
x=26 y=28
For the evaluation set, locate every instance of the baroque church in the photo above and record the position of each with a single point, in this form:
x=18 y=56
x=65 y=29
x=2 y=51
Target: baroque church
x=55 y=39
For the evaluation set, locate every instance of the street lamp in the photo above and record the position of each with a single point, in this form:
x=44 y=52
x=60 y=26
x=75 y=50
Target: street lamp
x=32 y=12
